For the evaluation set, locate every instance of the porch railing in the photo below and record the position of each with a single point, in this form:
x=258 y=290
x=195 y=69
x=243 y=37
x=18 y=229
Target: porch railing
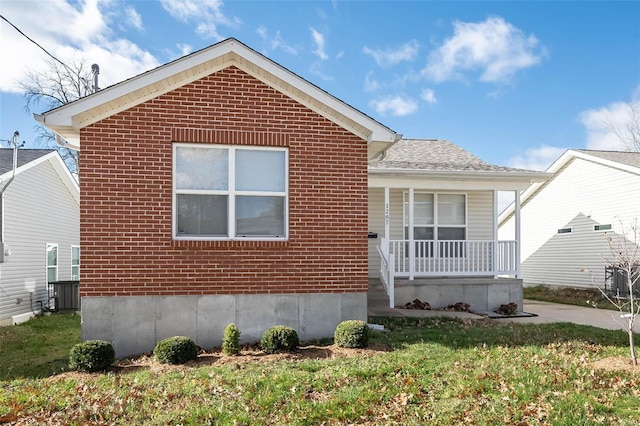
x=452 y=257
x=387 y=273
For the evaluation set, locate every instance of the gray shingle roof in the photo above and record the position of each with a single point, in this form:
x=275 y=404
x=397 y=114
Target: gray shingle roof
x=24 y=156
x=623 y=157
x=432 y=155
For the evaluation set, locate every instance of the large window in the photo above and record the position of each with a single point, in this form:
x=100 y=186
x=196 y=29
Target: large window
x=230 y=192
x=437 y=217
x=75 y=263
x=52 y=263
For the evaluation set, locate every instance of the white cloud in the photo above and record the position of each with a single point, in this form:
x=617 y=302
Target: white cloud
x=275 y=42
x=206 y=14
x=370 y=84
x=316 y=69
x=537 y=158
x=494 y=48
x=395 y=105
x=387 y=57
x=429 y=96
x=92 y=39
x=184 y=49
x=318 y=40
x=602 y=124
x=133 y=18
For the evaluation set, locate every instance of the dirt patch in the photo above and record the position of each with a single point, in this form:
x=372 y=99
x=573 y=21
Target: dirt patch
x=616 y=363
x=248 y=355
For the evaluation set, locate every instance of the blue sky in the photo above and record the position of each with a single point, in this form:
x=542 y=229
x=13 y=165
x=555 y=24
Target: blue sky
x=515 y=83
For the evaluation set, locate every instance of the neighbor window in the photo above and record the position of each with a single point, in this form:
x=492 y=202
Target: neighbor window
x=230 y=192
x=568 y=230
x=52 y=263
x=75 y=263
x=604 y=227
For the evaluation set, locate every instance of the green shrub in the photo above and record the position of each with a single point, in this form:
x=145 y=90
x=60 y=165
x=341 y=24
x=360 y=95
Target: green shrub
x=176 y=350
x=92 y=355
x=231 y=340
x=279 y=337
x=352 y=334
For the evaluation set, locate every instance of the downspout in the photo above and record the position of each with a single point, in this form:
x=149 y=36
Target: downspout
x=4 y=250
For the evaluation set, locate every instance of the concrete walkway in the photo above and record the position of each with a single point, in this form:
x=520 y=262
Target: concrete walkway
x=378 y=305
x=556 y=312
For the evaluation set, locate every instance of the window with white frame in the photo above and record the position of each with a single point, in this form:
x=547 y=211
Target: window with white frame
x=75 y=263
x=52 y=263
x=564 y=231
x=437 y=217
x=602 y=227
x=230 y=192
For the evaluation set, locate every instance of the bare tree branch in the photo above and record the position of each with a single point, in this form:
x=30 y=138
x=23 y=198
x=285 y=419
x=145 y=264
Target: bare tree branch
x=628 y=132
x=59 y=85
x=624 y=258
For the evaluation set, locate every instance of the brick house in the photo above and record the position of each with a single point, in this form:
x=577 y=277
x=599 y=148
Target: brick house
x=221 y=187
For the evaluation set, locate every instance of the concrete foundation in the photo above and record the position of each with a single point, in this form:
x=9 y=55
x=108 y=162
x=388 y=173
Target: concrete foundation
x=135 y=324
x=483 y=294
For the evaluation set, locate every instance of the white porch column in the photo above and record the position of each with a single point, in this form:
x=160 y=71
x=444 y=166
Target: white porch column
x=494 y=252
x=412 y=246
x=387 y=220
x=518 y=236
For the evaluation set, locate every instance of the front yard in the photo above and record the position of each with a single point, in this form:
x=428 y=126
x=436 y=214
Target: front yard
x=437 y=371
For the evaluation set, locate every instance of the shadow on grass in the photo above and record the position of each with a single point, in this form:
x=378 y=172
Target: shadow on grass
x=468 y=333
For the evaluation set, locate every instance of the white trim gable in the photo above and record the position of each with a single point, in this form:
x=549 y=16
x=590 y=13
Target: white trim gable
x=67 y=120
x=61 y=169
x=558 y=165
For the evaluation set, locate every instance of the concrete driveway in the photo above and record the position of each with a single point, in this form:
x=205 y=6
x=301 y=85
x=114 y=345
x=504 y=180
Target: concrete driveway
x=555 y=312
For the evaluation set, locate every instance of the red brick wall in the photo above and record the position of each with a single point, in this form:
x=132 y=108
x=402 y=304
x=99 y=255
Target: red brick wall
x=126 y=161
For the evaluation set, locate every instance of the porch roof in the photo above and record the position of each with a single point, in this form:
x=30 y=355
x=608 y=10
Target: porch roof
x=443 y=160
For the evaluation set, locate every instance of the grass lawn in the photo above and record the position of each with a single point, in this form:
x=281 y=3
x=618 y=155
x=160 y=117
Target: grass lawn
x=438 y=371
x=39 y=347
x=569 y=296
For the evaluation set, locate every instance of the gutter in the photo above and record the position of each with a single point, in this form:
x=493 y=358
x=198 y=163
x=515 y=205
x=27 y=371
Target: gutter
x=533 y=175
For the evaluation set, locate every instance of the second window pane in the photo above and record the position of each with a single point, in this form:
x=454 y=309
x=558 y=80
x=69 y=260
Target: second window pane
x=259 y=216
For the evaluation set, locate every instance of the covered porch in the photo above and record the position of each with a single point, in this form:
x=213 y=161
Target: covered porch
x=444 y=237
x=433 y=224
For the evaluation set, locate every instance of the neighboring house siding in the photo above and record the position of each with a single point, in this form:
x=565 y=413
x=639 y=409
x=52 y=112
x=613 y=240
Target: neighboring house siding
x=126 y=207
x=479 y=221
x=582 y=194
x=38 y=210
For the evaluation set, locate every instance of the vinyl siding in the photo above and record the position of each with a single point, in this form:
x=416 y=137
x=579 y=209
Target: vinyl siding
x=479 y=220
x=582 y=194
x=38 y=210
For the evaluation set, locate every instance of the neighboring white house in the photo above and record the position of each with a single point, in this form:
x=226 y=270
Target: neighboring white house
x=565 y=220
x=40 y=229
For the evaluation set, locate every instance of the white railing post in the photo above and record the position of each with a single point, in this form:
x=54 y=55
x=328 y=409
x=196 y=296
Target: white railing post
x=391 y=280
x=518 y=234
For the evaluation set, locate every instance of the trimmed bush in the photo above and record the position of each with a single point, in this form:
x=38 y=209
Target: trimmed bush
x=91 y=356
x=352 y=334
x=231 y=340
x=176 y=350
x=279 y=337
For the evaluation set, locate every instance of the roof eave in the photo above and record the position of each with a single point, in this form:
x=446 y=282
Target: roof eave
x=532 y=176
x=66 y=120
